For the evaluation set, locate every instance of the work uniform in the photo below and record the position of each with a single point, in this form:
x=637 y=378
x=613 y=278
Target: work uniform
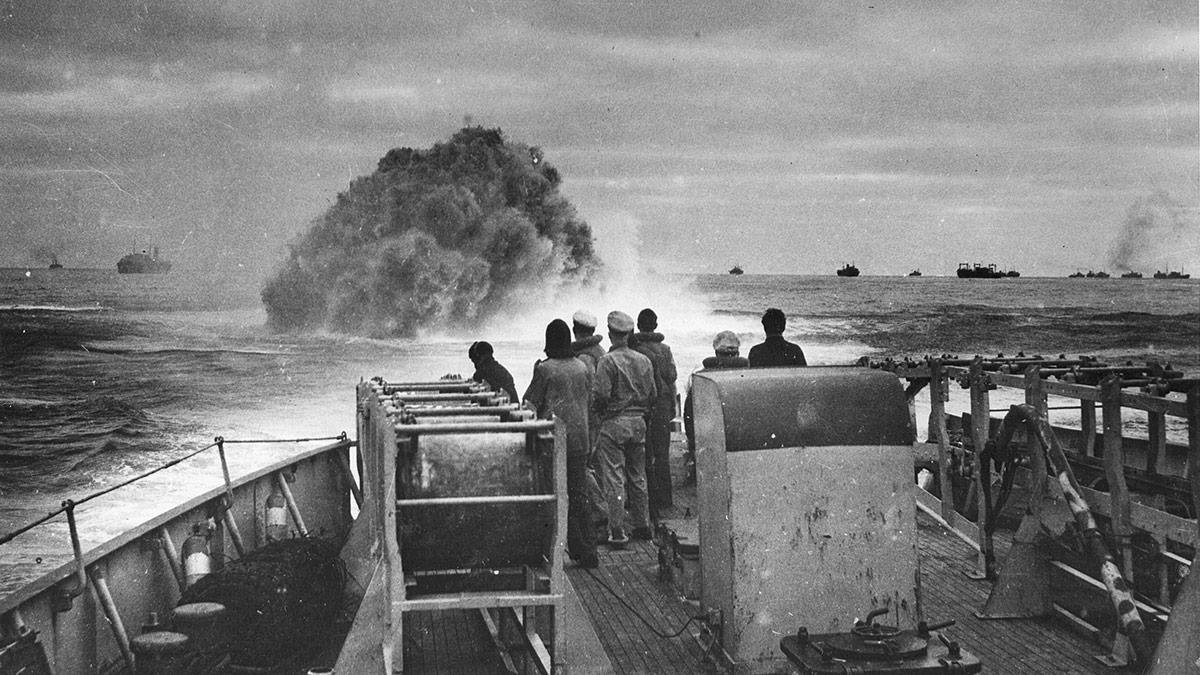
x=622 y=394
x=658 y=422
x=588 y=351
x=562 y=387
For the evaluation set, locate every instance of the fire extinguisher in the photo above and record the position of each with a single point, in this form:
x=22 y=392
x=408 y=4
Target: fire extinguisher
x=196 y=560
x=277 y=523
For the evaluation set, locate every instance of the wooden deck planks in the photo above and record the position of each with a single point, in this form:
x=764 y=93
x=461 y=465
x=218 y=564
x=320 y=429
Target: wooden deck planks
x=1006 y=646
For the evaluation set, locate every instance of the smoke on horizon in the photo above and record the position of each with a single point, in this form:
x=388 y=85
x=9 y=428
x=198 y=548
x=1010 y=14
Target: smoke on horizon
x=434 y=240
x=1158 y=234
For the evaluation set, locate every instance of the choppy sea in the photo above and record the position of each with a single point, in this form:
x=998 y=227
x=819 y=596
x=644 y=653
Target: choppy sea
x=103 y=375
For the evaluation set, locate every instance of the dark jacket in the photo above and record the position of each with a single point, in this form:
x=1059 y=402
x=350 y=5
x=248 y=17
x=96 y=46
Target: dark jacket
x=563 y=386
x=652 y=346
x=775 y=351
x=497 y=377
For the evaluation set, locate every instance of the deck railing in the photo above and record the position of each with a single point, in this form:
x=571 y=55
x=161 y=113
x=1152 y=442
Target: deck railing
x=1147 y=489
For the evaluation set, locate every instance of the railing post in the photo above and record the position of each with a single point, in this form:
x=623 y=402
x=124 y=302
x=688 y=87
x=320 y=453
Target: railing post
x=1036 y=398
x=980 y=430
x=1156 y=454
x=1193 y=458
x=1114 y=470
x=1087 y=422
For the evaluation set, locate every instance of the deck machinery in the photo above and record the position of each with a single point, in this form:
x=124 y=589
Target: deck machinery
x=474 y=489
x=807 y=519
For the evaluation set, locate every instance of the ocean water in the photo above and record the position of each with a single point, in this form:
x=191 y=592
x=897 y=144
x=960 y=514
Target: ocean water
x=103 y=376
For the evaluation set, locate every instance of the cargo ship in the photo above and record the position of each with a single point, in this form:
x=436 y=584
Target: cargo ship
x=848 y=270
x=981 y=271
x=435 y=541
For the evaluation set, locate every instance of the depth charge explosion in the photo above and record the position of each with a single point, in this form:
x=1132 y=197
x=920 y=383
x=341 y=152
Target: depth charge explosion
x=436 y=238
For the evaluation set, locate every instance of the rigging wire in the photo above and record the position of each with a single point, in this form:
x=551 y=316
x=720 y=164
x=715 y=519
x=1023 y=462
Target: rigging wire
x=100 y=493
x=622 y=600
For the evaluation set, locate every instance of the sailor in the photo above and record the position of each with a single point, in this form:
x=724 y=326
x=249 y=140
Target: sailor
x=586 y=345
x=622 y=394
x=561 y=386
x=726 y=346
x=489 y=371
x=775 y=351
x=658 y=423
x=588 y=350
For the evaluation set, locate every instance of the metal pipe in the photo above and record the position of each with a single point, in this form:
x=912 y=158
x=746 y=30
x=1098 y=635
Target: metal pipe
x=235 y=534
x=291 y=503
x=473 y=427
x=113 y=616
x=64 y=599
x=355 y=490
x=167 y=546
x=454 y=501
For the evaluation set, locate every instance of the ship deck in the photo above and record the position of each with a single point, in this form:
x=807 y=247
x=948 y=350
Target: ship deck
x=624 y=595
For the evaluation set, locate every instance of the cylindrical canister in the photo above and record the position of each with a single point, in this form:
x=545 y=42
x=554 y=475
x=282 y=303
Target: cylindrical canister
x=160 y=652
x=203 y=623
x=196 y=560
x=277 y=517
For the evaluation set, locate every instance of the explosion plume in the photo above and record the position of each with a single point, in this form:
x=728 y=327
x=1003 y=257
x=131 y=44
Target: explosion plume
x=435 y=239
x=1157 y=233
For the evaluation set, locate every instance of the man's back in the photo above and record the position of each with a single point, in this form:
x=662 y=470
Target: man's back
x=775 y=351
x=624 y=383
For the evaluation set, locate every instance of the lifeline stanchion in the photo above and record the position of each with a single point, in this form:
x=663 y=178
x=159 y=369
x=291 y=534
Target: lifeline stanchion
x=63 y=601
x=226 y=505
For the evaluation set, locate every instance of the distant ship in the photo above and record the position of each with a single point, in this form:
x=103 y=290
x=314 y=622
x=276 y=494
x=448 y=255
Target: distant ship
x=1075 y=275
x=915 y=273
x=980 y=271
x=1097 y=275
x=143 y=263
x=1131 y=275
x=736 y=269
x=849 y=270
x=54 y=264
x=1171 y=275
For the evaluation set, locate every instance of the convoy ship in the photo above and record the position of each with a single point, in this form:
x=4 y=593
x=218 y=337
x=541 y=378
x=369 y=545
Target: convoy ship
x=146 y=262
x=455 y=559
x=981 y=271
x=848 y=270
x=1171 y=274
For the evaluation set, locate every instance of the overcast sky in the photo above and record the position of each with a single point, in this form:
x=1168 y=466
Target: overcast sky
x=789 y=137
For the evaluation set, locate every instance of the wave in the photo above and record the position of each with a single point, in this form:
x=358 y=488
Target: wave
x=52 y=308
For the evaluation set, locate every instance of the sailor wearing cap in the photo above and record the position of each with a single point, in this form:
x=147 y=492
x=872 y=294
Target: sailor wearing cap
x=622 y=393
x=586 y=345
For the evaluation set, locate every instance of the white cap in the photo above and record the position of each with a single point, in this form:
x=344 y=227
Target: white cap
x=584 y=318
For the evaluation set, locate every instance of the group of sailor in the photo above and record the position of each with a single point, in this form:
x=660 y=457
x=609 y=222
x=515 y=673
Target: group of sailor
x=617 y=407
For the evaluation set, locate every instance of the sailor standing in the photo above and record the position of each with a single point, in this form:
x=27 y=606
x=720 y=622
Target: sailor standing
x=622 y=394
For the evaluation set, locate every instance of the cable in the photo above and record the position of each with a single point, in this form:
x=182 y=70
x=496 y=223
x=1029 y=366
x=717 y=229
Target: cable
x=639 y=616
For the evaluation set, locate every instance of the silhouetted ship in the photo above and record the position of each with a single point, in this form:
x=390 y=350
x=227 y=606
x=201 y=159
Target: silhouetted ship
x=54 y=264
x=143 y=263
x=915 y=273
x=1171 y=275
x=979 y=271
x=736 y=269
x=1131 y=275
x=849 y=270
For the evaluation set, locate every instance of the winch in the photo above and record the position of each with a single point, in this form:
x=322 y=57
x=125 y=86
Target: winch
x=870 y=647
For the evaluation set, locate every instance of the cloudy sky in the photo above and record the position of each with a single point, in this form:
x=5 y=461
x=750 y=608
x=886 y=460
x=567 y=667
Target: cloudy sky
x=789 y=137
